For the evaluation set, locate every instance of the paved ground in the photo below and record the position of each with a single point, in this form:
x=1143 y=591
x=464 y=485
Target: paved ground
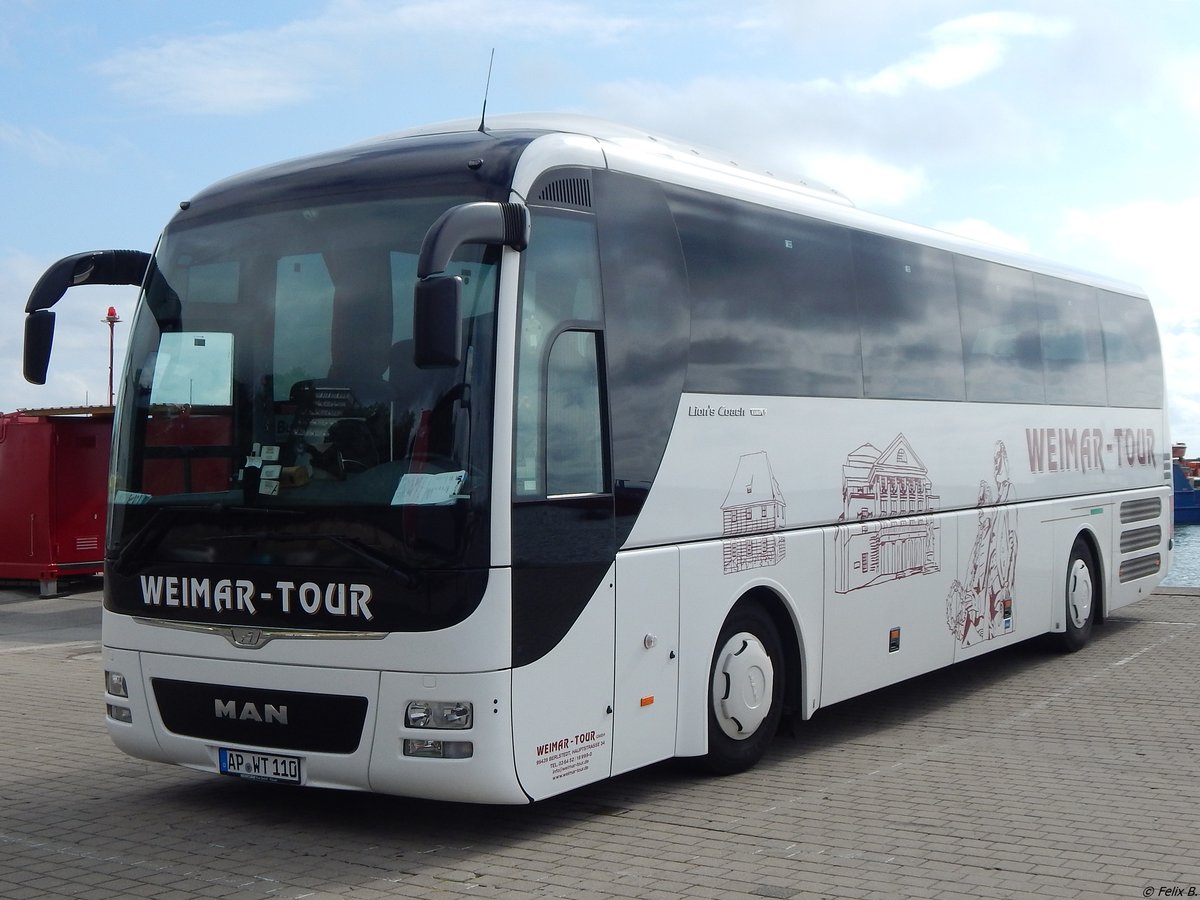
x=1024 y=773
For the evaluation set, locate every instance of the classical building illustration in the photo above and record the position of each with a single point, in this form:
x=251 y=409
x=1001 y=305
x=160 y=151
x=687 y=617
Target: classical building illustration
x=979 y=607
x=753 y=511
x=889 y=532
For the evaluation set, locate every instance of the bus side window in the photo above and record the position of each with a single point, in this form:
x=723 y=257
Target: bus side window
x=1002 y=350
x=1072 y=352
x=558 y=447
x=908 y=311
x=574 y=453
x=1131 y=351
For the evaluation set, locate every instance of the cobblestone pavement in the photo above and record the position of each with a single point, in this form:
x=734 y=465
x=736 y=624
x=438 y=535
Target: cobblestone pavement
x=1023 y=773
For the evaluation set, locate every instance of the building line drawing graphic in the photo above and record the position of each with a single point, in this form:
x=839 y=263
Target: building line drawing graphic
x=888 y=529
x=753 y=510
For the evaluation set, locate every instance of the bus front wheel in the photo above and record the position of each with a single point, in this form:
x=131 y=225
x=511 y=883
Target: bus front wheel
x=746 y=691
x=1082 y=596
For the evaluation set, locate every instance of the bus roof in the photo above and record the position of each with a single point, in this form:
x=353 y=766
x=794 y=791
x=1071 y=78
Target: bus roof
x=801 y=195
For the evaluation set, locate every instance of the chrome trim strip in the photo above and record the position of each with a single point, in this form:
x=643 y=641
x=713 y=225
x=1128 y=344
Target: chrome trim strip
x=254 y=638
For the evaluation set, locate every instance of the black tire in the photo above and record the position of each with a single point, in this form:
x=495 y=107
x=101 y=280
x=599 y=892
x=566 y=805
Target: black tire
x=1081 y=597
x=746 y=690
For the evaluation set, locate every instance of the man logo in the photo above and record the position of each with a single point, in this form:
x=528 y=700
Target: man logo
x=248 y=712
x=251 y=638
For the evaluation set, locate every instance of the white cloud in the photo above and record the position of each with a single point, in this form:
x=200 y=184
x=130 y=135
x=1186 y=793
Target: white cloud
x=1181 y=77
x=247 y=72
x=41 y=147
x=235 y=73
x=1148 y=242
x=869 y=182
x=964 y=50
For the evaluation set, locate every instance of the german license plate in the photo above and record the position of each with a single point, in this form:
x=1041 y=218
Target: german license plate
x=260 y=766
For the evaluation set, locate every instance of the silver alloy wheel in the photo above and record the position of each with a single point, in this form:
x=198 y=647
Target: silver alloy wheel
x=1079 y=593
x=742 y=686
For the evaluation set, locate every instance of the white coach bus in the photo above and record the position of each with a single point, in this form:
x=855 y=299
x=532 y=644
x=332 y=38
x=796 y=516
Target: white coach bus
x=482 y=464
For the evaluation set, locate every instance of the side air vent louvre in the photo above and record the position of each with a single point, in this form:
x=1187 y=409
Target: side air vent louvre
x=1140 y=567
x=1140 y=538
x=568 y=191
x=1139 y=510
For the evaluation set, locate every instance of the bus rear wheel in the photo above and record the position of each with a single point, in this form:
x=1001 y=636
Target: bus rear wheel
x=1082 y=597
x=746 y=691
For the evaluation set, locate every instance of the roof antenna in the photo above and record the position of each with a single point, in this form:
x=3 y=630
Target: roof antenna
x=486 y=87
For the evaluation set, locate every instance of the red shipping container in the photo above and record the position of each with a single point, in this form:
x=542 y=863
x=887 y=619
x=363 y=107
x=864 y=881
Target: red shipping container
x=53 y=491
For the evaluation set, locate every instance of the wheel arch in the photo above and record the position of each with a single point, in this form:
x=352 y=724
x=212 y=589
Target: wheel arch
x=787 y=627
x=1092 y=542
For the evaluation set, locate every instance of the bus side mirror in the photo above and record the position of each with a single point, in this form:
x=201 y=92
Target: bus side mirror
x=437 y=297
x=39 y=336
x=96 y=267
x=437 y=322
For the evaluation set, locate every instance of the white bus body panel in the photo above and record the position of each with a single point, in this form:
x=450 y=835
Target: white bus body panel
x=646 y=698
x=364 y=667
x=709 y=591
x=377 y=764
x=562 y=712
x=957 y=544
x=813 y=446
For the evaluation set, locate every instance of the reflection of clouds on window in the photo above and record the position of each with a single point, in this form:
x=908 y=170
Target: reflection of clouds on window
x=194 y=368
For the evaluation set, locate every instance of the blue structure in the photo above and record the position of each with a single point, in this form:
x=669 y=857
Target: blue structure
x=1187 y=498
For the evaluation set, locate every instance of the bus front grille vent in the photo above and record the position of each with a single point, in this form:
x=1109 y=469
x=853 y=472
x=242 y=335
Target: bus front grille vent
x=568 y=192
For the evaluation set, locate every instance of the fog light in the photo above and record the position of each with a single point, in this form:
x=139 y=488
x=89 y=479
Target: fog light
x=428 y=749
x=438 y=714
x=114 y=683
x=120 y=714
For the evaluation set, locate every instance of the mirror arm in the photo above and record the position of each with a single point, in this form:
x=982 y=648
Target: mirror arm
x=96 y=267
x=472 y=223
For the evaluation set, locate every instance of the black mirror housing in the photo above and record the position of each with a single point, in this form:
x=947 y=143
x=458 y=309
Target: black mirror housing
x=437 y=322
x=39 y=336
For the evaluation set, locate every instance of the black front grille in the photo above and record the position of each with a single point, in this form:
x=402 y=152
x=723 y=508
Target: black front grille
x=284 y=720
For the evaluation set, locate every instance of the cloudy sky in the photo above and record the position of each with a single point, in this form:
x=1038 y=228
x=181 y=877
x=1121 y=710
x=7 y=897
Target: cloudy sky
x=1067 y=128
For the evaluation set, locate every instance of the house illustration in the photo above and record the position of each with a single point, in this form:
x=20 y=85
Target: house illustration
x=753 y=510
x=887 y=499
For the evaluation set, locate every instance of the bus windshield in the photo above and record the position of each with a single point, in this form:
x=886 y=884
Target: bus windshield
x=270 y=379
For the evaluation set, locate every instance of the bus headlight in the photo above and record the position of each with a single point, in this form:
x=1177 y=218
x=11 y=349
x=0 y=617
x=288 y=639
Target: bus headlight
x=438 y=714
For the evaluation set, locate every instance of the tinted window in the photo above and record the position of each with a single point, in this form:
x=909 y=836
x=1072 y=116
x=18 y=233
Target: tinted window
x=303 y=320
x=908 y=307
x=772 y=300
x=647 y=314
x=1131 y=351
x=560 y=286
x=574 y=448
x=1072 y=352
x=1002 y=349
